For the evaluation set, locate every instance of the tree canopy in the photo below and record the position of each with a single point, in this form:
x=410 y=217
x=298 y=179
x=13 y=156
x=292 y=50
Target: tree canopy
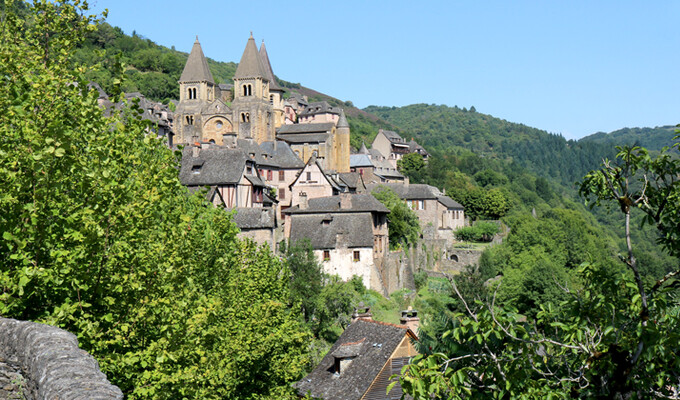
x=100 y=238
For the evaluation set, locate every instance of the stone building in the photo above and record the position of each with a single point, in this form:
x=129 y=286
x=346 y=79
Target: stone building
x=256 y=108
x=361 y=362
x=393 y=147
x=348 y=234
x=439 y=215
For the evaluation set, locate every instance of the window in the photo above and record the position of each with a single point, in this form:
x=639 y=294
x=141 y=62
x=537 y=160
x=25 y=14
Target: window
x=245 y=117
x=196 y=169
x=357 y=255
x=282 y=193
x=247 y=90
x=269 y=174
x=282 y=176
x=309 y=176
x=271 y=99
x=191 y=92
x=189 y=119
x=326 y=255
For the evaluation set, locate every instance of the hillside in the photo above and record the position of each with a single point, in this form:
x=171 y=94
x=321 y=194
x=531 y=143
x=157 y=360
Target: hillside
x=549 y=155
x=651 y=138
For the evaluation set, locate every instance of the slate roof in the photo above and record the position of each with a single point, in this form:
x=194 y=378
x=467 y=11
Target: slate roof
x=303 y=137
x=392 y=136
x=409 y=192
x=269 y=73
x=323 y=127
x=342 y=122
x=281 y=155
x=320 y=107
x=373 y=342
x=363 y=149
x=331 y=204
x=416 y=148
x=216 y=166
x=351 y=179
x=254 y=218
x=196 y=69
x=357 y=229
x=251 y=65
x=450 y=203
x=359 y=160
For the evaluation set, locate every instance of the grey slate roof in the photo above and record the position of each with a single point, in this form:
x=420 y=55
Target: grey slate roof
x=304 y=137
x=196 y=69
x=320 y=107
x=351 y=179
x=450 y=203
x=342 y=122
x=268 y=69
x=363 y=149
x=216 y=166
x=357 y=229
x=281 y=155
x=361 y=337
x=251 y=65
x=416 y=148
x=323 y=127
x=359 y=160
x=392 y=136
x=331 y=204
x=254 y=218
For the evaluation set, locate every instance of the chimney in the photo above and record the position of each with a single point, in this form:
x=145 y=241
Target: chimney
x=205 y=145
x=229 y=140
x=195 y=150
x=303 y=201
x=362 y=312
x=345 y=201
x=410 y=318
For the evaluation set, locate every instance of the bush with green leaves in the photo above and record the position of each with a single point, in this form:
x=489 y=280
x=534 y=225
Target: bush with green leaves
x=100 y=238
x=480 y=232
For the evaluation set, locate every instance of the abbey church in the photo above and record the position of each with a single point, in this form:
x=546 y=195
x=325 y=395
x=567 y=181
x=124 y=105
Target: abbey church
x=254 y=109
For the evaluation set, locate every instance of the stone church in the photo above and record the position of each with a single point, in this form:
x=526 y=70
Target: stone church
x=204 y=113
x=254 y=109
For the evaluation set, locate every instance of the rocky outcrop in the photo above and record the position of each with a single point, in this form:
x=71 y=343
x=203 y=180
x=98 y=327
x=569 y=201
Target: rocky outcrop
x=39 y=362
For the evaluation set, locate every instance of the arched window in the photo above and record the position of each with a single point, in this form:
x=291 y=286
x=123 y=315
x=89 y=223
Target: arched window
x=194 y=90
x=271 y=99
x=245 y=90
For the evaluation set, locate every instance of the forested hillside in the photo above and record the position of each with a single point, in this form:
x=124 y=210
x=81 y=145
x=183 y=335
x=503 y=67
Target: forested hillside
x=651 y=138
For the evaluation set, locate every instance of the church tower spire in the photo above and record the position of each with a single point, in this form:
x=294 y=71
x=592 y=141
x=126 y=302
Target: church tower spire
x=252 y=103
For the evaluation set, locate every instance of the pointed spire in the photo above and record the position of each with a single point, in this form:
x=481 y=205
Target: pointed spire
x=363 y=149
x=342 y=122
x=268 y=68
x=196 y=69
x=251 y=64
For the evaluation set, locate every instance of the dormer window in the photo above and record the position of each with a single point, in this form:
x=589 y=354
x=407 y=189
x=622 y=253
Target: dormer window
x=345 y=354
x=196 y=169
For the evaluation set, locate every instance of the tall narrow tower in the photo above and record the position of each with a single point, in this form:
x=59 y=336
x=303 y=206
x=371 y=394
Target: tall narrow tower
x=252 y=111
x=342 y=144
x=275 y=91
x=196 y=88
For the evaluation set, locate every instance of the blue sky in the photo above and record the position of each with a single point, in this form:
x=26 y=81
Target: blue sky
x=572 y=68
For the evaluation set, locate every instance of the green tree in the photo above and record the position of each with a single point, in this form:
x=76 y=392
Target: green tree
x=306 y=277
x=402 y=221
x=411 y=164
x=613 y=337
x=100 y=238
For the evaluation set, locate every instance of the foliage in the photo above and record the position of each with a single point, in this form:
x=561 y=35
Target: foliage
x=479 y=232
x=612 y=335
x=402 y=221
x=306 y=277
x=100 y=238
x=410 y=164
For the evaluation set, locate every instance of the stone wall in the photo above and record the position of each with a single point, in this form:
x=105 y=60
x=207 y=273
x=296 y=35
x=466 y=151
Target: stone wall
x=43 y=362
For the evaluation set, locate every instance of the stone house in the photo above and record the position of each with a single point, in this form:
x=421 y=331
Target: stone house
x=348 y=234
x=231 y=176
x=258 y=224
x=328 y=141
x=393 y=147
x=279 y=167
x=361 y=362
x=319 y=112
x=439 y=215
x=390 y=145
x=312 y=182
